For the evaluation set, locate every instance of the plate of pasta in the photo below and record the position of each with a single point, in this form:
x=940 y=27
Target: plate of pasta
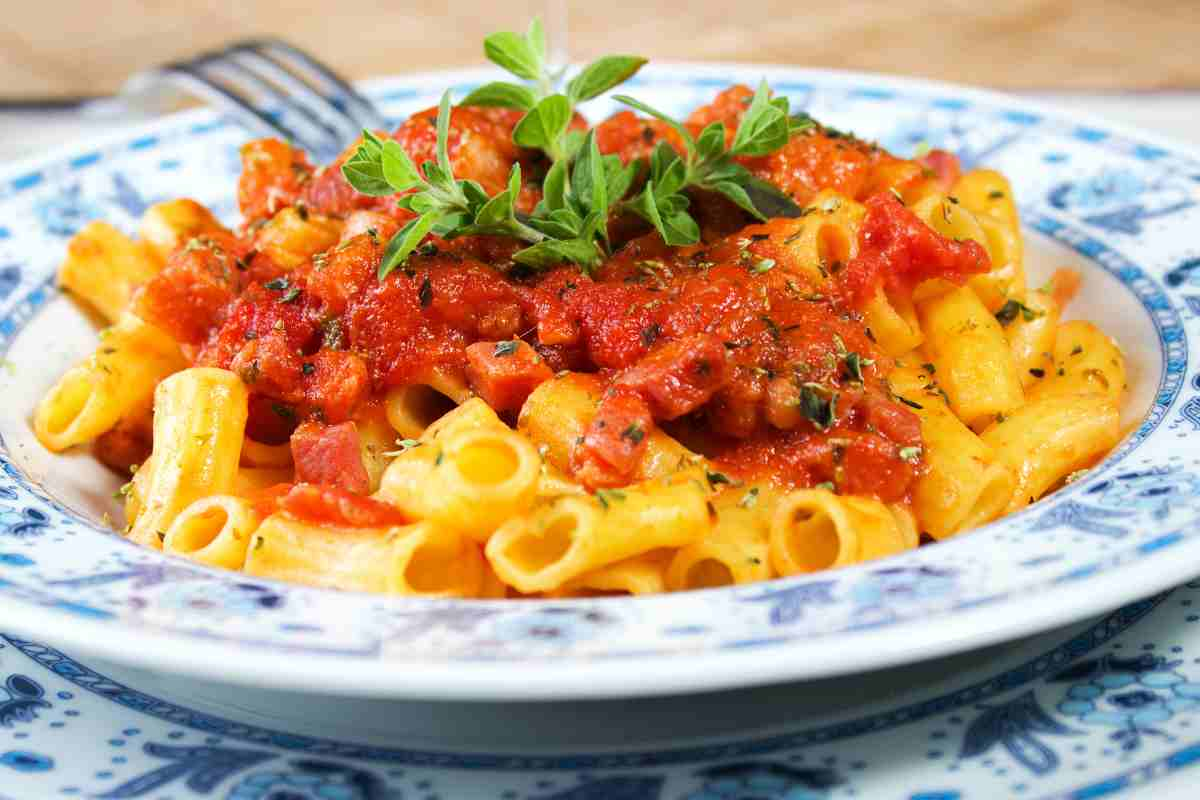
x=730 y=375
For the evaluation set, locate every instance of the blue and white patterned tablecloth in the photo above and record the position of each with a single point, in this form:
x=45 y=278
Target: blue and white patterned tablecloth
x=1107 y=707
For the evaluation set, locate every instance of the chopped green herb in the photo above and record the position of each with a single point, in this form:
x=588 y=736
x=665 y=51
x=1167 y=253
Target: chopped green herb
x=1008 y=312
x=506 y=348
x=608 y=496
x=929 y=367
x=290 y=295
x=276 y=284
x=1037 y=372
x=910 y=454
x=772 y=327
x=425 y=293
x=818 y=406
x=634 y=433
x=995 y=194
x=909 y=403
x=308 y=368
x=284 y=412
x=1076 y=350
x=763 y=265
x=826 y=485
x=405 y=445
x=750 y=499
x=717 y=478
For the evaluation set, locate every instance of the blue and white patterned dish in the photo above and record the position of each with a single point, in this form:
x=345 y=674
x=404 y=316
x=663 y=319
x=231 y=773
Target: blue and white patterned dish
x=1107 y=707
x=1122 y=206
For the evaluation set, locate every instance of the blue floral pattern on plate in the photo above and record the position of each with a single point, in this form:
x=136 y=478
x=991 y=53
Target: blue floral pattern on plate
x=1119 y=201
x=1097 y=710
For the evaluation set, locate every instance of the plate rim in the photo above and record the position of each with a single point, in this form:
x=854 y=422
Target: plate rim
x=657 y=674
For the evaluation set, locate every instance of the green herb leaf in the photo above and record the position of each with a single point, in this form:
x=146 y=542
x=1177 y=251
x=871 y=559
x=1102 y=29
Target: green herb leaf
x=544 y=124
x=398 y=169
x=506 y=348
x=818 y=407
x=552 y=252
x=601 y=75
x=1008 y=312
x=499 y=94
x=404 y=242
x=364 y=169
x=910 y=454
x=764 y=127
x=520 y=55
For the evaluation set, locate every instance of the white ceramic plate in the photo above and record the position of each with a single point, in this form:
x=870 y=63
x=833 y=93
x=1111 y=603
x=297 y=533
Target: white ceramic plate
x=1121 y=206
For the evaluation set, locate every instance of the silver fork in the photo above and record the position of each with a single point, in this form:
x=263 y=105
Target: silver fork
x=276 y=89
x=270 y=86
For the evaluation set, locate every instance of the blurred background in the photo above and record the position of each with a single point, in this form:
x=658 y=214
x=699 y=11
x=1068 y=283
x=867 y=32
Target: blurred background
x=55 y=51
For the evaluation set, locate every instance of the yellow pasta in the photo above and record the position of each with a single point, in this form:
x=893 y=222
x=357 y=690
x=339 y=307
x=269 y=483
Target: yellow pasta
x=893 y=321
x=118 y=378
x=104 y=266
x=1051 y=437
x=975 y=365
x=638 y=575
x=1085 y=360
x=1031 y=333
x=735 y=549
x=558 y=412
x=964 y=484
x=823 y=241
x=171 y=224
x=414 y=407
x=988 y=196
x=199 y=424
x=214 y=530
x=543 y=550
x=469 y=481
x=815 y=529
x=291 y=238
x=432 y=561
x=359 y=559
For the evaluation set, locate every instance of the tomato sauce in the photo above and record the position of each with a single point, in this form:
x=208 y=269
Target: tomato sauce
x=727 y=344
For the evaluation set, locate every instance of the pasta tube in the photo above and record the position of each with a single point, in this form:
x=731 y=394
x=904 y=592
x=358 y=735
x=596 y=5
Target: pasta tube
x=1031 y=333
x=338 y=557
x=814 y=529
x=558 y=412
x=964 y=484
x=199 y=423
x=413 y=408
x=1086 y=361
x=975 y=365
x=117 y=379
x=735 y=549
x=291 y=238
x=104 y=267
x=214 y=530
x=468 y=481
x=541 y=551
x=1051 y=437
x=169 y=225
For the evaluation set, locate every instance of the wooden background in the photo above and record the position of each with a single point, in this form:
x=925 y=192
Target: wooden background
x=60 y=48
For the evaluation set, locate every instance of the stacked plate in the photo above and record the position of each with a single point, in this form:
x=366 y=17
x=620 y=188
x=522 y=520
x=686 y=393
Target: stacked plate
x=127 y=673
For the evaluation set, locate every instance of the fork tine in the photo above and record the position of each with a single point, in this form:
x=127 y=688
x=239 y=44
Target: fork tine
x=315 y=133
x=354 y=104
x=303 y=94
x=192 y=80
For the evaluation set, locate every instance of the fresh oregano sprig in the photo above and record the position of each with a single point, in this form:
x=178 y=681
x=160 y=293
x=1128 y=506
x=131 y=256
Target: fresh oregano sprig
x=548 y=112
x=569 y=225
x=708 y=164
